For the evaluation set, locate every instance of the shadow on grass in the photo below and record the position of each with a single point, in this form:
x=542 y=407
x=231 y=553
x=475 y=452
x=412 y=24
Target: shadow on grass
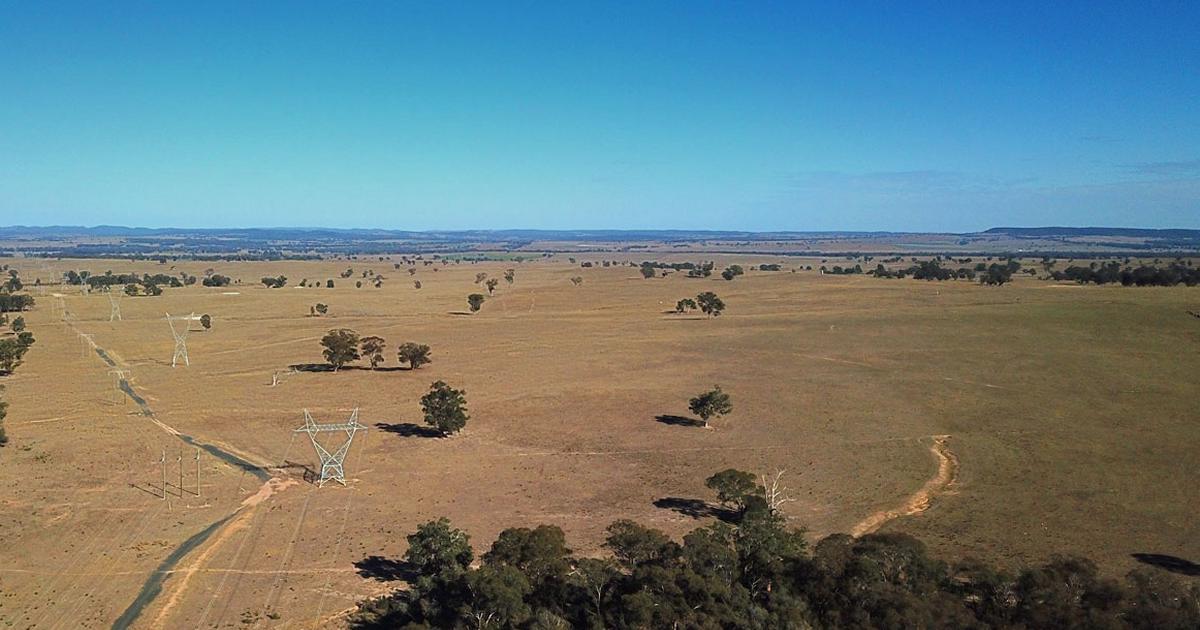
x=1168 y=563
x=679 y=421
x=696 y=508
x=385 y=569
x=153 y=491
x=307 y=472
x=325 y=367
x=467 y=313
x=408 y=429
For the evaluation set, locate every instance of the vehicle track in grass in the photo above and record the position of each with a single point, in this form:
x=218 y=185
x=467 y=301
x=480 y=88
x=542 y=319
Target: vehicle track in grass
x=919 y=501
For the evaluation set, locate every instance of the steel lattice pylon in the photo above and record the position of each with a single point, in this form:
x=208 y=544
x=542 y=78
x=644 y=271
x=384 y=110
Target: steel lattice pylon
x=180 y=334
x=114 y=311
x=332 y=463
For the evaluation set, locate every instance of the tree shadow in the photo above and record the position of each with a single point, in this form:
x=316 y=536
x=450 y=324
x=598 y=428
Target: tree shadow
x=467 y=313
x=408 y=429
x=1168 y=563
x=312 y=367
x=679 y=421
x=385 y=569
x=696 y=508
x=325 y=367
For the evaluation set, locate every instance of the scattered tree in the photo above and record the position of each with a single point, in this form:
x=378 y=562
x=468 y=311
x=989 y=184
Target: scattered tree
x=510 y=275
x=206 y=321
x=648 y=272
x=277 y=282
x=734 y=488
x=710 y=304
x=686 y=304
x=576 y=280
x=341 y=347
x=480 y=277
x=491 y=285
x=372 y=350
x=711 y=403
x=18 y=324
x=414 y=354
x=475 y=301
x=445 y=408
x=416 y=284
x=436 y=548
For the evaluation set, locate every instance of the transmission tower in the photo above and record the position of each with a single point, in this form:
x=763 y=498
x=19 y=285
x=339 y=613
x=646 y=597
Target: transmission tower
x=179 y=329
x=114 y=312
x=85 y=344
x=332 y=463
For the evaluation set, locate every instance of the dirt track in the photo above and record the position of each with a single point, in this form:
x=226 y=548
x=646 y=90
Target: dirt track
x=920 y=500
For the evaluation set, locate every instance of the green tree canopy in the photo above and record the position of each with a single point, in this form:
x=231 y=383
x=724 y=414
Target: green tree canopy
x=445 y=408
x=414 y=354
x=711 y=403
x=341 y=347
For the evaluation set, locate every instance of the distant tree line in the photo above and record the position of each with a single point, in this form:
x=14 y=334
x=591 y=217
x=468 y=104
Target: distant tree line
x=1142 y=276
x=15 y=341
x=145 y=284
x=15 y=302
x=994 y=274
x=751 y=570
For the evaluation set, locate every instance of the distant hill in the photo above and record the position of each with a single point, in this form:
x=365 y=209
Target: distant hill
x=270 y=243
x=1042 y=232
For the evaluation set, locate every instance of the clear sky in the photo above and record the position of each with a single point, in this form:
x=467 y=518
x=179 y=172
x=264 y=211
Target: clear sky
x=950 y=116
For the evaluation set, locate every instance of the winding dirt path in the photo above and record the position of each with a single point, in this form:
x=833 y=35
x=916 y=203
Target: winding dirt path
x=919 y=501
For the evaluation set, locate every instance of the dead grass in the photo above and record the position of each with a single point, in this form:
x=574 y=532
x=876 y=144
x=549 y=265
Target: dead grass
x=1072 y=414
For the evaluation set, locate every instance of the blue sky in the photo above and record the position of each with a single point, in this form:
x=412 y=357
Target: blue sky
x=950 y=116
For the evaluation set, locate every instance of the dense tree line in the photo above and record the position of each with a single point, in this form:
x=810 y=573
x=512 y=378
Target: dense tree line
x=3 y=414
x=109 y=279
x=751 y=570
x=12 y=350
x=16 y=341
x=15 y=302
x=1142 y=276
x=925 y=270
x=993 y=274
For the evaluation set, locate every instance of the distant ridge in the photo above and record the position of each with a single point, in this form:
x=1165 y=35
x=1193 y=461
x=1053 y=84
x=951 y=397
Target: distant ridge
x=305 y=233
x=1095 y=231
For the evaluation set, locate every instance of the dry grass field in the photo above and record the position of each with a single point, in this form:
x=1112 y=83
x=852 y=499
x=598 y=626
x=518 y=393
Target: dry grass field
x=1069 y=414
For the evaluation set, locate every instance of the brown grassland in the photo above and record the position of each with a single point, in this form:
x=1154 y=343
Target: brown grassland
x=1070 y=414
